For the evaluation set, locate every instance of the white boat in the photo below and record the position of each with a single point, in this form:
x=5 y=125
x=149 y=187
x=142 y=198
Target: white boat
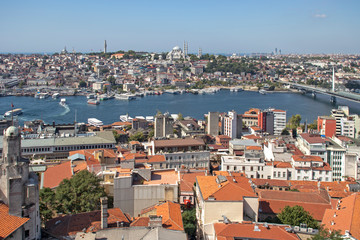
x=43 y=95
x=91 y=96
x=55 y=95
x=95 y=122
x=124 y=96
x=93 y=102
x=13 y=112
x=262 y=91
x=63 y=102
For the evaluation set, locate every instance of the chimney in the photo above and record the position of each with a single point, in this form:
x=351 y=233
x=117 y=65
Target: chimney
x=155 y=221
x=104 y=212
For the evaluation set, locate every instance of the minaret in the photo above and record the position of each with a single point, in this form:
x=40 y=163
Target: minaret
x=333 y=80
x=200 y=53
x=105 y=46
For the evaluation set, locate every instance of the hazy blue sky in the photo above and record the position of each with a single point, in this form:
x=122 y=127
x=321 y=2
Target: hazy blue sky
x=227 y=26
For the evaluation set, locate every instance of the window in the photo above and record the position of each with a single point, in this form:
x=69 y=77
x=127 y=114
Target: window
x=27 y=233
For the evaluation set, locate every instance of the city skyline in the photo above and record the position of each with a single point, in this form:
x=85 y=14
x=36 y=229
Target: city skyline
x=230 y=27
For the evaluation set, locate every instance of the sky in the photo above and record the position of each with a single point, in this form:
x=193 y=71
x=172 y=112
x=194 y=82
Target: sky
x=226 y=26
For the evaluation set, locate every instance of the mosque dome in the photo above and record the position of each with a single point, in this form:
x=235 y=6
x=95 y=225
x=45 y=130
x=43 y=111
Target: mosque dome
x=176 y=48
x=12 y=131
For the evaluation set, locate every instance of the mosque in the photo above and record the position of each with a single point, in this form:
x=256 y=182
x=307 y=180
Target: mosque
x=175 y=54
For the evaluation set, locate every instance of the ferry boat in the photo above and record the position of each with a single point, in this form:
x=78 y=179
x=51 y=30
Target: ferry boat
x=63 y=102
x=13 y=112
x=124 y=96
x=55 y=95
x=93 y=102
x=95 y=122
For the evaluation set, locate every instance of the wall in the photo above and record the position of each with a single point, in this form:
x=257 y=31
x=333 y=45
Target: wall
x=148 y=195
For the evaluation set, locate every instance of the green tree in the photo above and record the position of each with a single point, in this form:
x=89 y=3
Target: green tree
x=189 y=220
x=80 y=193
x=46 y=204
x=180 y=116
x=296 y=215
x=295 y=121
x=285 y=132
x=82 y=84
x=313 y=125
x=139 y=136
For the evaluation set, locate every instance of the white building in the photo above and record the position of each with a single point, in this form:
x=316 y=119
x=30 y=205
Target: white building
x=279 y=121
x=347 y=127
x=232 y=125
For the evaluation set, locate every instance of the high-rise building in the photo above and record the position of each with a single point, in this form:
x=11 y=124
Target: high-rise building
x=279 y=121
x=19 y=188
x=232 y=125
x=105 y=47
x=266 y=121
x=341 y=112
x=163 y=126
x=212 y=127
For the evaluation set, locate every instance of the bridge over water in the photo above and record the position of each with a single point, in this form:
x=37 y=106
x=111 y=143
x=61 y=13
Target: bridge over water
x=308 y=89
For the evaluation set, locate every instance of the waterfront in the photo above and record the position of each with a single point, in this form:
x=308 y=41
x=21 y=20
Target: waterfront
x=188 y=104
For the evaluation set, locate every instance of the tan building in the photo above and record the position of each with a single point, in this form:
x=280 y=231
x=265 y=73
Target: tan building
x=220 y=197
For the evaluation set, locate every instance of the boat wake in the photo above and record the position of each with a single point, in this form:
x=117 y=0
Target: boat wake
x=67 y=109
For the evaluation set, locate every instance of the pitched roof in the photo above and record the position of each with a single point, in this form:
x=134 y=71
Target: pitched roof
x=306 y=158
x=246 y=230
x=156 y=158
x=187 y=180
x=69 y=225
x=346 y=216
x=315 y=203
x=171 y=215
x=231 y=189
x=53 y=176
x=9 y=223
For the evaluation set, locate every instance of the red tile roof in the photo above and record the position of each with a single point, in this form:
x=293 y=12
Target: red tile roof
x=234 y=189
x=346 y=216
x=246 y=231
x=306 y=158
x=69 y=225
x=53 y=176
x=9 y=223
x=171 y=215
x=156 y=159
x=187 y=180
x=315 y=203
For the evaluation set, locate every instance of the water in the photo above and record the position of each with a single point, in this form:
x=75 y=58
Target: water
x=188 y=104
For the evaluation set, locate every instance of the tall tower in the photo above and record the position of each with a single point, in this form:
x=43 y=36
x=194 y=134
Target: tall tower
x=200 y=53
x=163 y=126
x=105 y=46
x=333 y=80
x=19 y=188
x=212 y=127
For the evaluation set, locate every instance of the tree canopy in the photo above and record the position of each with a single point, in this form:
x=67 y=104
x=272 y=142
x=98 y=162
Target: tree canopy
x=296 y=215
x=80 y=193
x=295 y=121
x=189 y=220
